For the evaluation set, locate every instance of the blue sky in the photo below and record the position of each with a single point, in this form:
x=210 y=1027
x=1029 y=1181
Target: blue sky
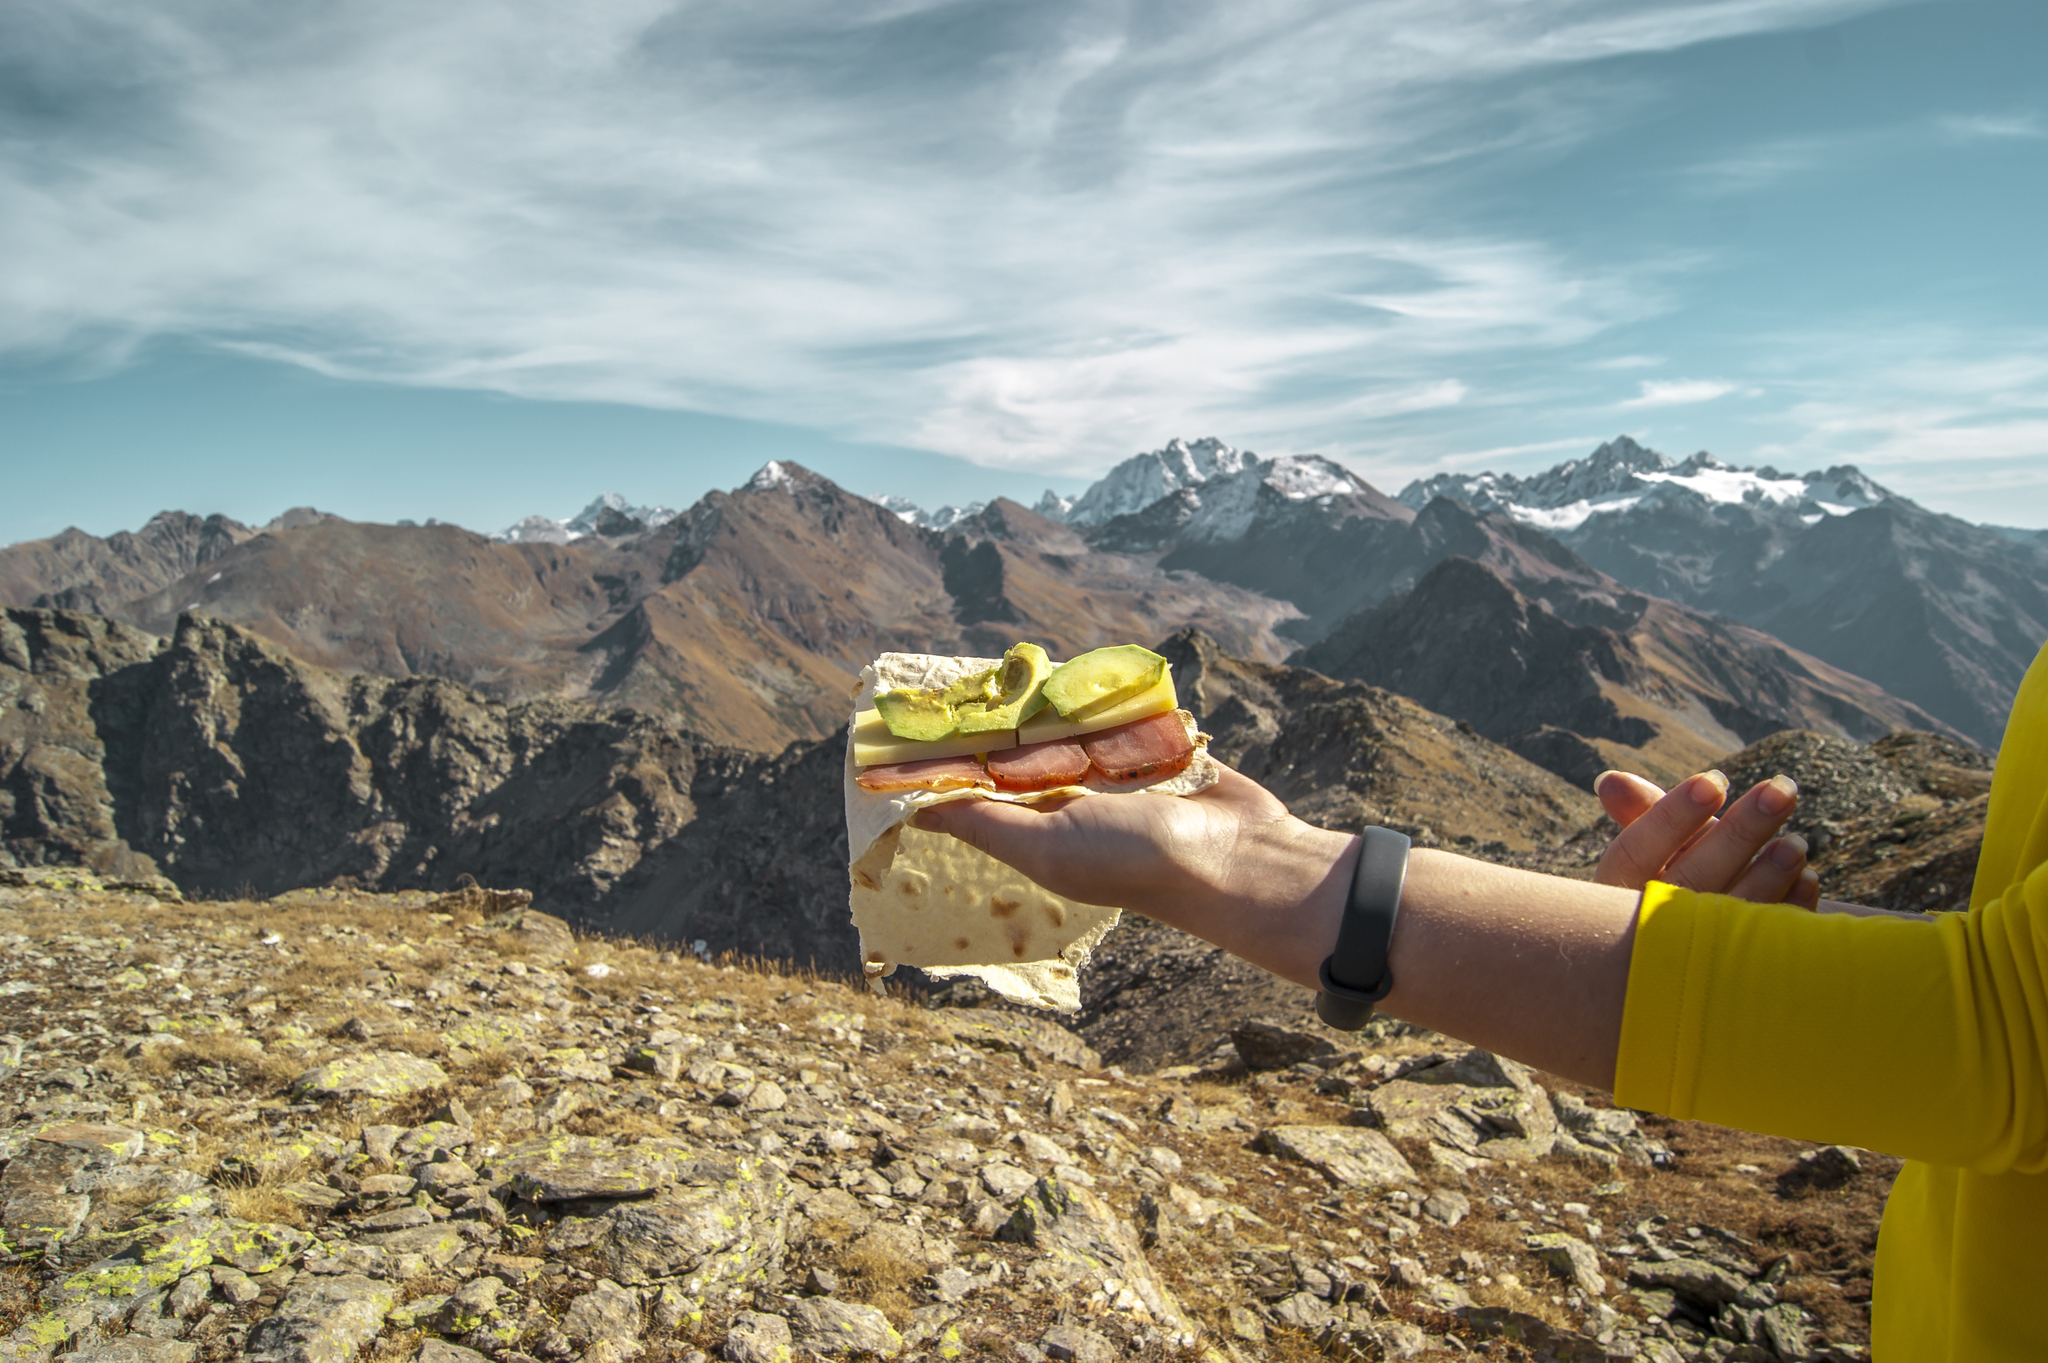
x=479 y=260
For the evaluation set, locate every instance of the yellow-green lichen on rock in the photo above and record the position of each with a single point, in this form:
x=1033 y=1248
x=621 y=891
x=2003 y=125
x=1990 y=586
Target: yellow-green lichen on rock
x=380 y=1074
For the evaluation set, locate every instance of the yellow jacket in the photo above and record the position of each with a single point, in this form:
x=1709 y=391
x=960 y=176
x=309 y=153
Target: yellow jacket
x=1920 y=1039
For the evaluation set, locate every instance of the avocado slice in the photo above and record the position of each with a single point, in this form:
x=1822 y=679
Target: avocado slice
x=921 y=715
x=1018 y=692
x=976 y=688
x=1103 y=677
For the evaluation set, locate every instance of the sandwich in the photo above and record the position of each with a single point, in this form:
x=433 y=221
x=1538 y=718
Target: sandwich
x=928 y=729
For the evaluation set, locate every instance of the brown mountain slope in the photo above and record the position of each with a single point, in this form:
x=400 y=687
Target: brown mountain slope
x=1663 y=689
x=1017 y=575
x=401 y=601
x=77 y=571
x=747 y=617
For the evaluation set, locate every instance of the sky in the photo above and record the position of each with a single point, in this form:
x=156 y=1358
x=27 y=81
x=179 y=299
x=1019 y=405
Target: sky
x=479 y=260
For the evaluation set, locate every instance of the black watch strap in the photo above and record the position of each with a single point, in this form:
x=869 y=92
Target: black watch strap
x=1355 y=976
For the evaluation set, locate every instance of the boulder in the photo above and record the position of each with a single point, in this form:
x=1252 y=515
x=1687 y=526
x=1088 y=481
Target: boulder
x=1349 y=1157
x=380 y=1074
x=1572 y=1259
x=716 y=1239
x=1089 y=1248
x=323 y=1320
x=1270 y=1046
x=756 y=1337
x=834 y=1328
x=607 y=1311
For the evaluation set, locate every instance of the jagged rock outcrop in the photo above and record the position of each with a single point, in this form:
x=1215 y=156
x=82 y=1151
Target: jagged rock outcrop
x=218 y=760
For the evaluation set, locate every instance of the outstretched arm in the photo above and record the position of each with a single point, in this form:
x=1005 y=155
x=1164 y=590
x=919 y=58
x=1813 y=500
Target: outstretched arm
x=1532 y=966
x=1529 y=965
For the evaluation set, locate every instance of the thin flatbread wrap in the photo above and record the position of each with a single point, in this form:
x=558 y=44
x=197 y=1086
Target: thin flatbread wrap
x=930 y=900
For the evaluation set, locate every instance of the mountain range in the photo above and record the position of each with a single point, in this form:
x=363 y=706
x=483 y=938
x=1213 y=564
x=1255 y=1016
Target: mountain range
x=746 y=617
x=1936 y=610
x=1620 y=609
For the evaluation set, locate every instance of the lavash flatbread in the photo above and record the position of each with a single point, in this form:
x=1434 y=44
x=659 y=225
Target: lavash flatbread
x=930 y=900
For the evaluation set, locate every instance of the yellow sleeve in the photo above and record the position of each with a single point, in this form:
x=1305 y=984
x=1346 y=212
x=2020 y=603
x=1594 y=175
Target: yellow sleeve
x=1921 y=1039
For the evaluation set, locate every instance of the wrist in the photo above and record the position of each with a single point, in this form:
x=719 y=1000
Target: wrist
x=1279 y=898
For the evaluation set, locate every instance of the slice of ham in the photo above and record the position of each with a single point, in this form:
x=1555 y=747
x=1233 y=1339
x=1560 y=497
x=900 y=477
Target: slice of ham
x=1039 y=766
x=1157 y=746
x=933 y=773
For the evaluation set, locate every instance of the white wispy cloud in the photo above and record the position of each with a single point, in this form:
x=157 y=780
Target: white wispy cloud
x=1677 y=392
x=1976 y=127
x=1027 y=234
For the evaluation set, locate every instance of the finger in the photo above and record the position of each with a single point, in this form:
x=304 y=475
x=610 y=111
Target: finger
x=1806 y=894
x=985 y=825
x=1713 y=863
x=1625 y=796
x=1641 y=851
x=1776 y=872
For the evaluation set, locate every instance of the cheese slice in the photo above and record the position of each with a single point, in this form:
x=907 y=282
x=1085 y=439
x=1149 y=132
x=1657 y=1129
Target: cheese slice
x=874 y=745
x=1047 y=727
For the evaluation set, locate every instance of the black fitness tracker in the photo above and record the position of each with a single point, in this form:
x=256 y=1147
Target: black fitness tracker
x=1355 y=976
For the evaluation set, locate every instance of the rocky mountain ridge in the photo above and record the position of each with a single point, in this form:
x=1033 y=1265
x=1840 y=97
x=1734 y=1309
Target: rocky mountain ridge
x=609 y=515
x=1939 y=612
x=1602 y=679
x=1622 y=475
x=746 y=617
x=341 y=1125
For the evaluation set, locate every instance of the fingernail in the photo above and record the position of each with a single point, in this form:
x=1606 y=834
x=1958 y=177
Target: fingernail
x=1601 y=779
x=1777 y=795
x=1809 y=879
x=1787 y=852
x=1709 y=789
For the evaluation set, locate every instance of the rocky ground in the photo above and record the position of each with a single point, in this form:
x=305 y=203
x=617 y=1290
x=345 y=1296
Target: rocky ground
x=335 y=1125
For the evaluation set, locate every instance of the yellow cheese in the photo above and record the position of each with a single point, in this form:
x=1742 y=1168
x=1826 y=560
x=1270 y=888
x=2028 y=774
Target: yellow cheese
x=1047 y=727
x=874 y=745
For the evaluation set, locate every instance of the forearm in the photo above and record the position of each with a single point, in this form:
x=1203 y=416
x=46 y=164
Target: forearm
x=1532 y=966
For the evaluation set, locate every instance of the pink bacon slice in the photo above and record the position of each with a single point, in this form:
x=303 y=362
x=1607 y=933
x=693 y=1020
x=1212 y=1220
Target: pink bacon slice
x=933 y=773
x=1157 y=746
x=1039 y=766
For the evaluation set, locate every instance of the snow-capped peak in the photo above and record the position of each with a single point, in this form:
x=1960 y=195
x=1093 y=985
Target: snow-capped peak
x=610 y=515
x=1143 y=479
x=1223 y=508
x=1622 y=475
x=771 y=475
x=1053 y=506
x=945 y=518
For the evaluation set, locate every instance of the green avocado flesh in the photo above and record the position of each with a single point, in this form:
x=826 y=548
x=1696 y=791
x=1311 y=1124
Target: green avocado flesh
x=920 y=715
x=1103 y=677
x=989 y=701
x=1019 y=693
